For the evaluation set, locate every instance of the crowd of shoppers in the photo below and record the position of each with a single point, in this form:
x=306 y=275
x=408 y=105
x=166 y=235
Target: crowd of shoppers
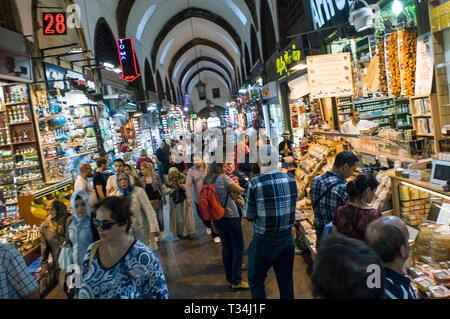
x=117 y=222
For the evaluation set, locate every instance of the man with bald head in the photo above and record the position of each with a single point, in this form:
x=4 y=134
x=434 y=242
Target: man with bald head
x=82 y=183
x=388 y=237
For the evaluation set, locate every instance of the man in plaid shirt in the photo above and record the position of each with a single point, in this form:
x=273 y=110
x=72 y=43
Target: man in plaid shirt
x=270 y=205
x=15 y=279
x=328 y=191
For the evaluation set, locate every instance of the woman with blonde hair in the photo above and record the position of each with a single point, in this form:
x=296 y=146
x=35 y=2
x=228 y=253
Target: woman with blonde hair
x=135 y=179
x=181 y=215
x=155 y=190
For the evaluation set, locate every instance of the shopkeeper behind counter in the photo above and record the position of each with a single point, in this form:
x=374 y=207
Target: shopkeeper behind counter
x=355 y=125
x=285 y=147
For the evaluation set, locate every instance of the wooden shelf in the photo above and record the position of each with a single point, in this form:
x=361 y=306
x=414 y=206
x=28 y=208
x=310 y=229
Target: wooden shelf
x=376 y=117
x=376 y=108
x=426 y=135
x=24 y=142
x=18 y=103
x=422 y=115
x=19 y=123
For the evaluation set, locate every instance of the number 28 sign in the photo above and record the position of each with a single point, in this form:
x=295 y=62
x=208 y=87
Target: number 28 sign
x=54 y=23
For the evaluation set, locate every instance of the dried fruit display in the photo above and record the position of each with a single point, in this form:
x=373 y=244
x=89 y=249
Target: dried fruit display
x=393 y=64
x=408 y=58
x=382 y=74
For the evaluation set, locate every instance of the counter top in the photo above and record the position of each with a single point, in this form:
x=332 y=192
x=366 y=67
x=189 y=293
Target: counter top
x=427 y=185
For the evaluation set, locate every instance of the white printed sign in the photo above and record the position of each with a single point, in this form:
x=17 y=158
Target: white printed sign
x=424 y=65
x=330 y=75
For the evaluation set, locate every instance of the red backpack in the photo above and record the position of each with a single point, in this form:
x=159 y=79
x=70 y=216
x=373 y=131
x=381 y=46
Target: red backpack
x=209 y=204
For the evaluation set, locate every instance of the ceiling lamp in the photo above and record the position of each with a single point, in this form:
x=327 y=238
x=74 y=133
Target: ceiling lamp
x=397 y=7
x=299 y=67
x=75 y=50
x=362 y=19
x=138 y=114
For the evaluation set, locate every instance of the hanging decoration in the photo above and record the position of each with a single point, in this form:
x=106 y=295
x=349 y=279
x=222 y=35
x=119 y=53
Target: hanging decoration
x=393 y=64
x=382 y=75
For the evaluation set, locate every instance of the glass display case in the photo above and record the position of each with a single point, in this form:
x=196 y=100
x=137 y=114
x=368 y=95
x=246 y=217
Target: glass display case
x=20 y=167
x=376 y=146
x=66 y=132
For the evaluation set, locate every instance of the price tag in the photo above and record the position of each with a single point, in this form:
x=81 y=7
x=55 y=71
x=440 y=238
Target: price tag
x=415 y=174
x=384 y=161
x=397 y=164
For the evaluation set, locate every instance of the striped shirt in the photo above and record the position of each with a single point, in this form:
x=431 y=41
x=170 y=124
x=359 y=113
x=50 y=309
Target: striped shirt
x=397 y=286
x=16 y=280
x=270 y=202
x=229 y=172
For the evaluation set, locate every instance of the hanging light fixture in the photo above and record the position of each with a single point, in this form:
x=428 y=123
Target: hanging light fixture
x=362 y=19
x=397 y=7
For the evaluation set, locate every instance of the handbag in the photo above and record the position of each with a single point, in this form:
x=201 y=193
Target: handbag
x=65 y=257
x=155 y=204
x=178 y=196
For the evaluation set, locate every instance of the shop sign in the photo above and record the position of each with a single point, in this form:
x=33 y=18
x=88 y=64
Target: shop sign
x=127 y=59
x=285 y=60
x=54 y=23
x=330 y=75
x=15 y=67
x=65 y=79
x=324 y=11
x=193 y=116
x=270 y=90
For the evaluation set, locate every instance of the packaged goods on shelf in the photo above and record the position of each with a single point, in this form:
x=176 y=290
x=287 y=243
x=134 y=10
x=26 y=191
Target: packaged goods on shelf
x=415 y=205
x=24 y=237
x=430 y=281
x=383 y=193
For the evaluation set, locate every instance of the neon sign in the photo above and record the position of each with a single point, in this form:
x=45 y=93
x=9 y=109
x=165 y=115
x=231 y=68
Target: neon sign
x=54 y=23
x=285 y=59
x=127 y=59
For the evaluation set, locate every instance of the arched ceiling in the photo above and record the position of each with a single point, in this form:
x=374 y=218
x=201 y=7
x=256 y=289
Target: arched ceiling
x=204 y=42
x=200 y=65
x=205 y=61
x=204 y=76
x=175 y=33
x=197 y=72
x=191 y=29
x=200 y=52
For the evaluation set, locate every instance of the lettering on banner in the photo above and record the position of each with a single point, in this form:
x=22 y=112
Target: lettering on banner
x=323 y=11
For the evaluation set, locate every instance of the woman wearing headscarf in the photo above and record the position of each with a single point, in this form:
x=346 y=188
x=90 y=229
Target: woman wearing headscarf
x=181 y=215
x=53 y=231
x=81 y=232
x=144 y=225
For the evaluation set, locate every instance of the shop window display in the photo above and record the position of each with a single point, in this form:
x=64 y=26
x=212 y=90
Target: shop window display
x=67 y=134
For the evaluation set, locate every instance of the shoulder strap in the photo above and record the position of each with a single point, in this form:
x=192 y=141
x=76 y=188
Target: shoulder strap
x=93 y=251
x=324 y=193
x=350 y=220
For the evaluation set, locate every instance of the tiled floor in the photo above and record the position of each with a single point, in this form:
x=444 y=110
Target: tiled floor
x=194 y=268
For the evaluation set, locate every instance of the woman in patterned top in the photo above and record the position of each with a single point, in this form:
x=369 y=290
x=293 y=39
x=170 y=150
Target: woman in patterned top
x=119 y=266
x=353 y=218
